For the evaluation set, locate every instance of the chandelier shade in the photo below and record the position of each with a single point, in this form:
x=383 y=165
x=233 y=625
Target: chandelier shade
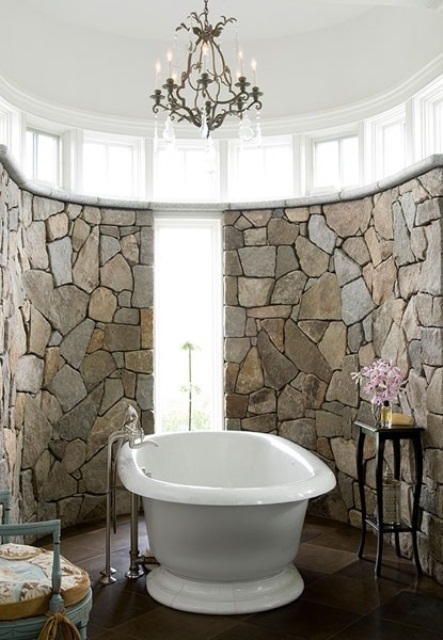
x=207 y=91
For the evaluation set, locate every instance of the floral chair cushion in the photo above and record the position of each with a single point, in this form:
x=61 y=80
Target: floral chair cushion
x=25 y=581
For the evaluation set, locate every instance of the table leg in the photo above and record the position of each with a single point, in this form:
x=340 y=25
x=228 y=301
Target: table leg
x=397 y=460
x=418 y=459
x=379 y=490
x=361 y=488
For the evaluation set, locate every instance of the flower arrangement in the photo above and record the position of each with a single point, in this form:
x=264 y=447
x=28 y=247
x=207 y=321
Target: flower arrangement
x=382 y=378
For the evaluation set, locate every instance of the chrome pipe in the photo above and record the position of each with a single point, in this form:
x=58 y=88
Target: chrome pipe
x=108 y=571
x=135 y=570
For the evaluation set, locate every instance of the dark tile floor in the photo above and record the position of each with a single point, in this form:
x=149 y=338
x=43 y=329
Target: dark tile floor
x=342 y=599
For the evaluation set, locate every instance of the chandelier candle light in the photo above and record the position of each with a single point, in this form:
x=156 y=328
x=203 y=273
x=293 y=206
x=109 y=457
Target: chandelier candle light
x=206 y=92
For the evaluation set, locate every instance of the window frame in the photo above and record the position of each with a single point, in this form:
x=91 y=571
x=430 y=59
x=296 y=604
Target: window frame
x=426 y=127
x=183 y=147
x=339 y=135
x=36 y=132
x=137 y=149
x=212 y=219
x=375 y=156
x=265 y=143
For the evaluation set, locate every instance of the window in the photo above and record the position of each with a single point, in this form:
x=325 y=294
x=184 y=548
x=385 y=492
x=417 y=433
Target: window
x=186 y=170
x=112 y=166
x=278 y=167
x=391 y=148
x=43 y=156
x=335 y=164
x=188 y=325
x=385 y=144
x=262 y=169
x=427 y=108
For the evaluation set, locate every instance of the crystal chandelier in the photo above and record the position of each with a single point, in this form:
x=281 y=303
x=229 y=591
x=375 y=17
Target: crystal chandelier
x=206 y=92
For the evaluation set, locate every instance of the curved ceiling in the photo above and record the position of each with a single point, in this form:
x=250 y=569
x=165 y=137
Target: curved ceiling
x=147 y=19
x=314 y=56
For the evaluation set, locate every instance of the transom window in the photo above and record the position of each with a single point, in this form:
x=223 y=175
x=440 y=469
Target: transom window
x=270 y=167
x=186 y=170
x=391 y=148
x=335 y=164
x=385 y=137
x=111 y=166
x=261 y=169
x=42 y=161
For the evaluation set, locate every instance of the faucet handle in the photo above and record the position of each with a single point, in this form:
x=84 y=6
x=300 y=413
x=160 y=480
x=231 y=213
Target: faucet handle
x=131 y=426
x=131 y=419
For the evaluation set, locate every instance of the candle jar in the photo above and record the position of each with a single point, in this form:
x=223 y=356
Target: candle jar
x=386 y=415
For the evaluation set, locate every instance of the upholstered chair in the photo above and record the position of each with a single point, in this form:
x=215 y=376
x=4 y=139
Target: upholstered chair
x=43 y=596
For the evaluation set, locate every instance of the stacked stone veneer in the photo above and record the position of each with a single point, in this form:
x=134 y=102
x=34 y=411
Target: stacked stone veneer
x=76 y=345
x=313 y=294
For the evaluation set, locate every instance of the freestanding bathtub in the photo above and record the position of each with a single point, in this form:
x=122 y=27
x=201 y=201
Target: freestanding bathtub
x=224 y=514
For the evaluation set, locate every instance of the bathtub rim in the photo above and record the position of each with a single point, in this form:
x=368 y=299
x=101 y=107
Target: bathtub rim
x=136 y=481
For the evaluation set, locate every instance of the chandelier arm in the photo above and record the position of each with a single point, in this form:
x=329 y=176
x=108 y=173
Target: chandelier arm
x=180 y=109
x=225 y=73
x=174 y=107
x=183 y=112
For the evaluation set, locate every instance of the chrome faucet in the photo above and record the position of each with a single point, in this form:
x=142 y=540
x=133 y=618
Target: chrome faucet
x=131 y=432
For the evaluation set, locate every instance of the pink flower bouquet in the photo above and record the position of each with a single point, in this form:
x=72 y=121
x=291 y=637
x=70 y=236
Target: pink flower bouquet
x=383 y=379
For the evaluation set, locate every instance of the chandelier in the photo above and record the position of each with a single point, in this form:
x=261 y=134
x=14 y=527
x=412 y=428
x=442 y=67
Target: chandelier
x=206 y=92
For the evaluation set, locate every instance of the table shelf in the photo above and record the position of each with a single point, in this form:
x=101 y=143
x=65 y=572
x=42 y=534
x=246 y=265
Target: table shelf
x=372 y=521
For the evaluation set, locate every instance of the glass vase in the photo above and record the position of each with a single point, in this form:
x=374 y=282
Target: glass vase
x=376 y=412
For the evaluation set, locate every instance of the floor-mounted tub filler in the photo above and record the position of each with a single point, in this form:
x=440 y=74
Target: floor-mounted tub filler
x=224 y=514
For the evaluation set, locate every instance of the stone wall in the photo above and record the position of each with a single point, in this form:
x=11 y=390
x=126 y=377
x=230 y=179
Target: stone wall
x=12 y=340
x=313 y=294
x=76 y=344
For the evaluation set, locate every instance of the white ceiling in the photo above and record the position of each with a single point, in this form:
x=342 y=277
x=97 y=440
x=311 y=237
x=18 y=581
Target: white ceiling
x=314 y=56
x=149 y=19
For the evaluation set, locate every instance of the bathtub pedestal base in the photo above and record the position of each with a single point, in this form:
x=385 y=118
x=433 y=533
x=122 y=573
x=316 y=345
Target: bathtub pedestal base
x=227 y=597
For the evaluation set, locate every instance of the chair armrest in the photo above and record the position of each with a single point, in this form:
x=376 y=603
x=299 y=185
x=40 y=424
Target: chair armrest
x=28 y=528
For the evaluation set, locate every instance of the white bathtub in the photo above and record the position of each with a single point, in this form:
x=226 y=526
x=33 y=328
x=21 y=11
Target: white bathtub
x=224 y=514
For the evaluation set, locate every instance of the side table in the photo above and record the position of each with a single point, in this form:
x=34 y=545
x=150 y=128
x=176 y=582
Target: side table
x=382 y=435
